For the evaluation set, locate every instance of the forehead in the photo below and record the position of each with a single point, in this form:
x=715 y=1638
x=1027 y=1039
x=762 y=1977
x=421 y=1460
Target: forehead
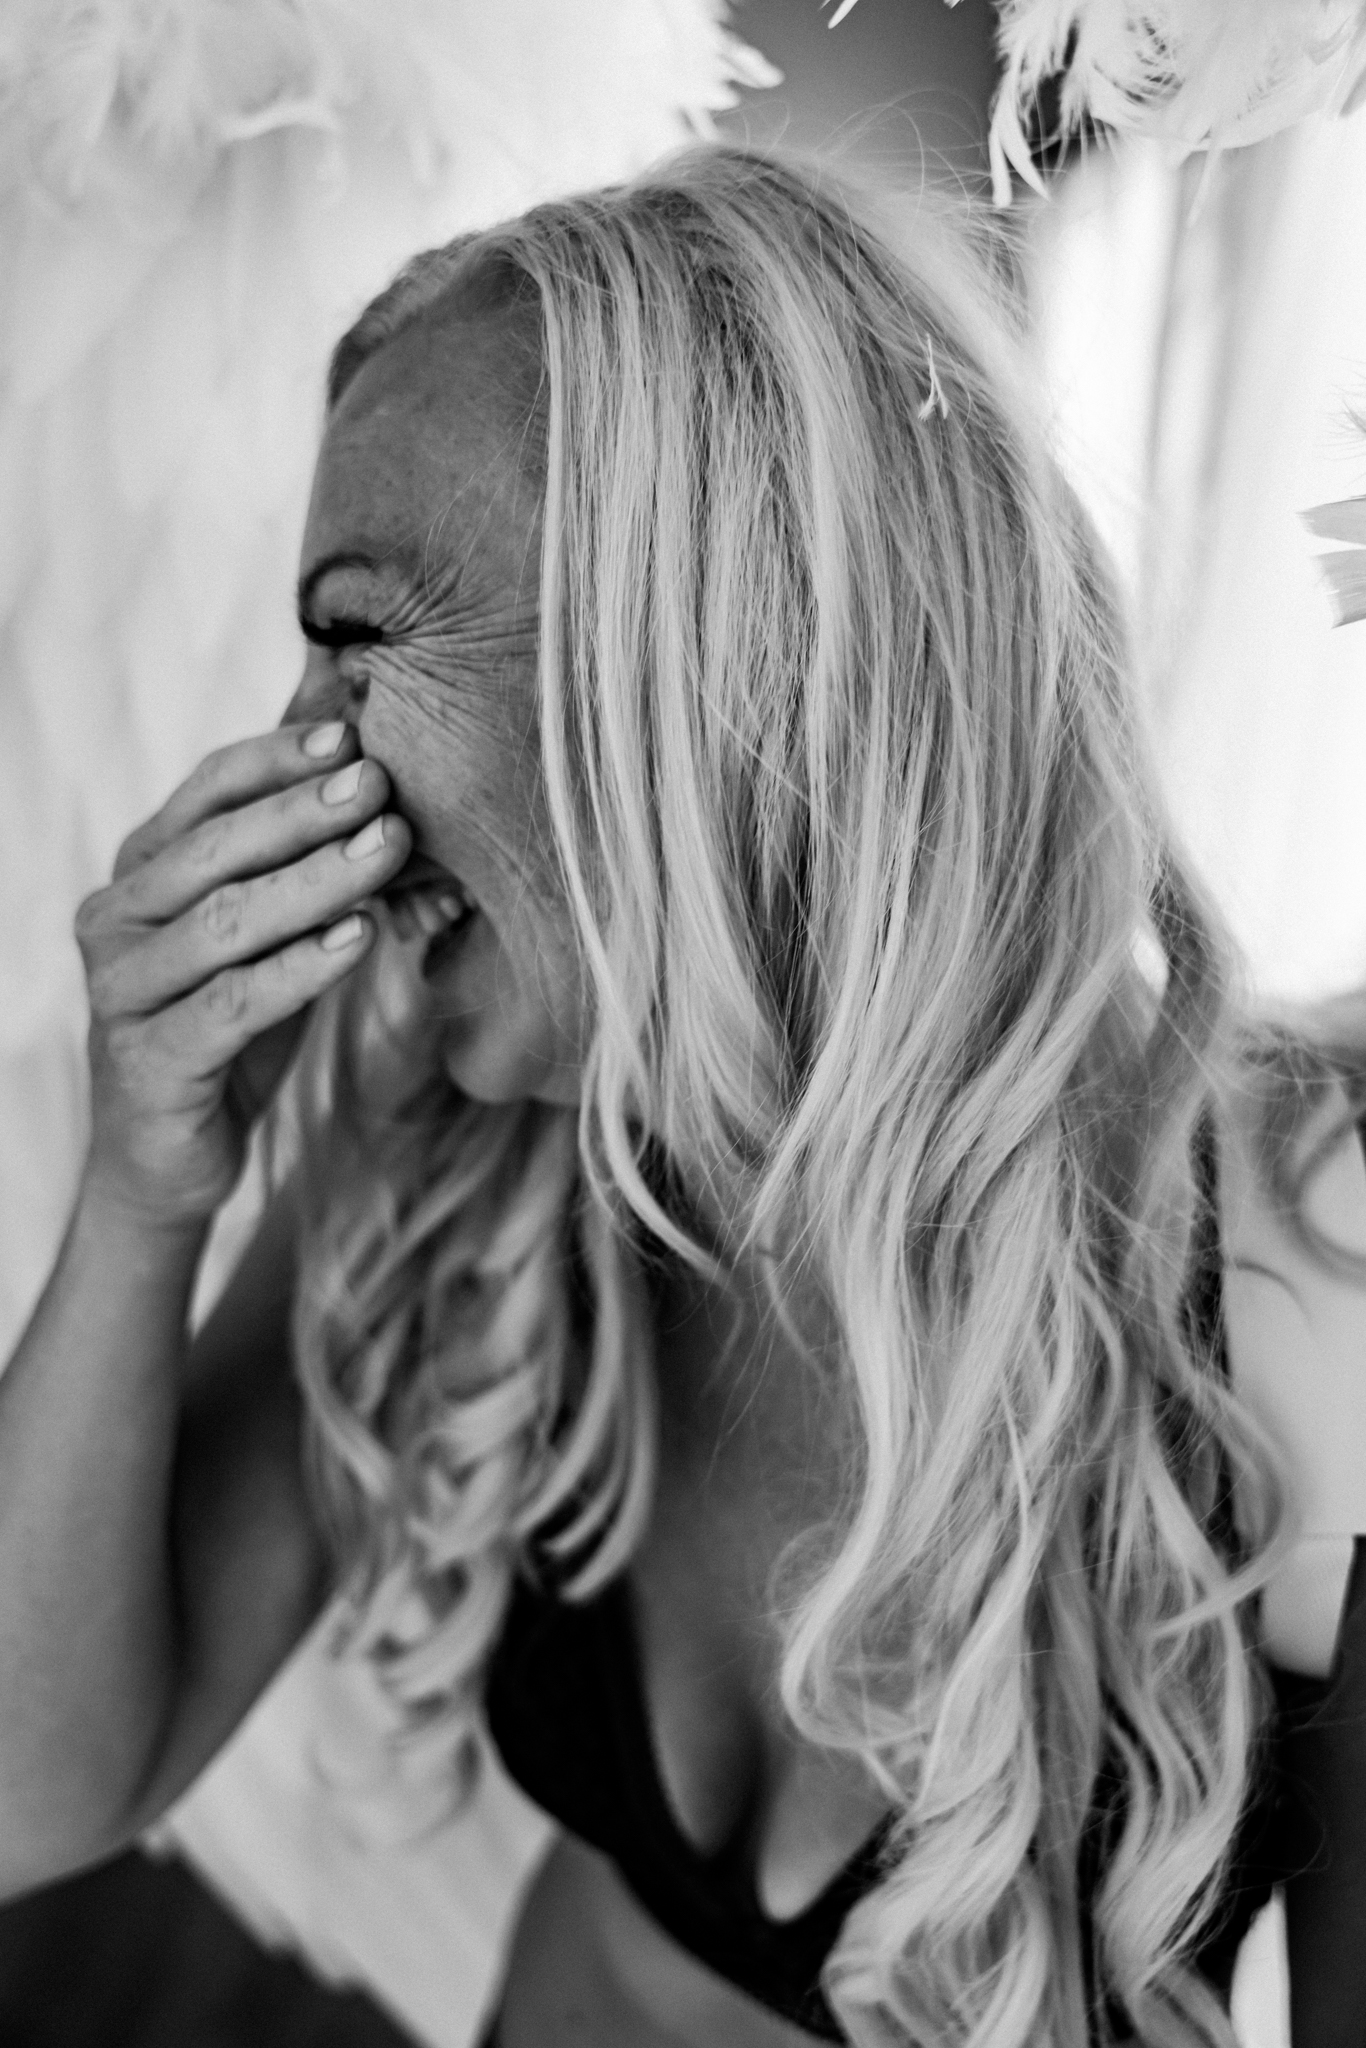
x=443 y=422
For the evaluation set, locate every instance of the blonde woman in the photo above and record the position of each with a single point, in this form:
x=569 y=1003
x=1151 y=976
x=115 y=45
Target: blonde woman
x=755 y=1332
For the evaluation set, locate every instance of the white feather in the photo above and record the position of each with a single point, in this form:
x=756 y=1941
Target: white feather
x=1195 y=74
x=94 y=93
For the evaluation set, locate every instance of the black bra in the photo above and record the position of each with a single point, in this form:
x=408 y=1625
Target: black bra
x=566 y=1710
x=567 y=1713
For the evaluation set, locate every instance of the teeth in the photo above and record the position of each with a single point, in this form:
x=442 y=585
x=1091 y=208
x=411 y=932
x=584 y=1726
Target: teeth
x=428 y=910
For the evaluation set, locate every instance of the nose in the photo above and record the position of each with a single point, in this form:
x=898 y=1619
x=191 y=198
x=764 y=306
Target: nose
x=323 y=694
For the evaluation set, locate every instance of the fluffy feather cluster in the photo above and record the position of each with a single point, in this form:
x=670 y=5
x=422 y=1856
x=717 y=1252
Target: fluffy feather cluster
x=91 y=92
x=88 y=88
x=1197 y=74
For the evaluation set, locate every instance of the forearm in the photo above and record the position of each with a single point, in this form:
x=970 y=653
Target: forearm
x=88 y=1632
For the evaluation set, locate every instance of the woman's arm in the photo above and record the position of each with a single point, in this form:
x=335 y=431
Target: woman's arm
x=157 y=1561
x=155 y=1556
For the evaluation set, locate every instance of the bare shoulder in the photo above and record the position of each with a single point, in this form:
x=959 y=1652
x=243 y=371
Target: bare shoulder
x=1296 y=1338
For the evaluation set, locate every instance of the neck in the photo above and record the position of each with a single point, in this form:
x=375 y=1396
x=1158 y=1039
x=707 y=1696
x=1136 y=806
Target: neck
x=730 y=1369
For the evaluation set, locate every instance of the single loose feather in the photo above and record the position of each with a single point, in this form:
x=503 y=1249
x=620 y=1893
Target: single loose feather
x=1344 y=520
x=1344 y=571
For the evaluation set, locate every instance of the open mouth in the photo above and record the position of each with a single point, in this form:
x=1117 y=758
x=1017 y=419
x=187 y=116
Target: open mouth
x=426 y=901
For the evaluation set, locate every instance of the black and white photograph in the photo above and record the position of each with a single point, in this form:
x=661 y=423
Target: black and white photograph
x=682 y=1023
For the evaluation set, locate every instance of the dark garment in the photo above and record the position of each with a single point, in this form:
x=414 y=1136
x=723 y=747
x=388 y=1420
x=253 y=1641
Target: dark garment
x=567 y=1713
x=138 y=1953
x=1318 y=1835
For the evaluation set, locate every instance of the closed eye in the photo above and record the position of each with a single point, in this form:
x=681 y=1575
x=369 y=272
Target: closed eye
x=339 y=632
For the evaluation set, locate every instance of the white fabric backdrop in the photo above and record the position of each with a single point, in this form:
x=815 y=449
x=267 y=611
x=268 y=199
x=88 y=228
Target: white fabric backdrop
x=1204 y=343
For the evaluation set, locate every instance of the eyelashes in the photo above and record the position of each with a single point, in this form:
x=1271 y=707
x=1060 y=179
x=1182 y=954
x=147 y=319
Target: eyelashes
x=340 y=632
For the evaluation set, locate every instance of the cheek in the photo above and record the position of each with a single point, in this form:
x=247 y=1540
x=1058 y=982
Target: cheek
x=472 y=792
x=468 y=789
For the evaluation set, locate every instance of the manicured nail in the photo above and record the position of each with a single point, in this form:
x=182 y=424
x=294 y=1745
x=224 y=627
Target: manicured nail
x=325 y=740
x=368 y=840
x=341 y=787
x=346 y=933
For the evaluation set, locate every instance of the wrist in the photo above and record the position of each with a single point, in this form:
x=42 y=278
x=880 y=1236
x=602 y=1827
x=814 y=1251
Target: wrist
x=108 y=1207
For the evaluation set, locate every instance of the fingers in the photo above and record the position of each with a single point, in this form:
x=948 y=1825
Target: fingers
x=231 y=911
x=234 y=775
x=210 y=1027
x=240 y=920
x=242 y=1000
x=268 y=833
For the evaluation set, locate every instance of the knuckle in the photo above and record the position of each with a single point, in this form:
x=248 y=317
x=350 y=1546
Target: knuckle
x=205 y=773
x=125 y=1046
x=205 y=845
x=101 y=983
x=201 y=782
x=318 y=869
x=130 y=853
x=222 y=912
x=91 y=916
x=227 y=997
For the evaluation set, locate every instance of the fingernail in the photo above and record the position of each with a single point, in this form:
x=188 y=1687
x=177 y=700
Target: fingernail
x=344 y=934
x=341 y=787
x=325 y=740
x=367 y=841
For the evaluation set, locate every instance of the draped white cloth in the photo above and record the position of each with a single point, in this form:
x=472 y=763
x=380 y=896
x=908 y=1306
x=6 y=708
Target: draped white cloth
x=1205 y=343
x=196 y=196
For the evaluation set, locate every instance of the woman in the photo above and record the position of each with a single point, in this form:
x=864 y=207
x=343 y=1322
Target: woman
x=741 y=1312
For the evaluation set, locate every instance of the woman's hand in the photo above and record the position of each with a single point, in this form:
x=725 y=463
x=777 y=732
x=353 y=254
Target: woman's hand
x=230 y=911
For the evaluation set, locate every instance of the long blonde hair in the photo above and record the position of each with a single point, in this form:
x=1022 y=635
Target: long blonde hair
x=858 y=819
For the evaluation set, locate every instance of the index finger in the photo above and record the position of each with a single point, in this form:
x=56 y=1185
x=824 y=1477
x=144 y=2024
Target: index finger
x=233 y=775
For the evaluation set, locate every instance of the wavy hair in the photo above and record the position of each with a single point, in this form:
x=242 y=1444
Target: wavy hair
x=905 y=995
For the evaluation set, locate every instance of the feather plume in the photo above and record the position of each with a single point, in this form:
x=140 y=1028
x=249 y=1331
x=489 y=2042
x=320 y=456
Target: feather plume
x=1345 y=575
x=1195 y=74
x=1344 y=520
x=95 y=93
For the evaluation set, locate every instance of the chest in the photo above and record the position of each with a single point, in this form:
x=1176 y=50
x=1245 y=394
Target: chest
x=733 y=1772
